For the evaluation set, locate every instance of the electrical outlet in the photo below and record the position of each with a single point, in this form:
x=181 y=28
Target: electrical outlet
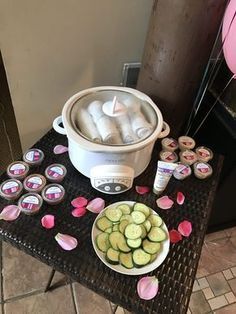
x=130 y=74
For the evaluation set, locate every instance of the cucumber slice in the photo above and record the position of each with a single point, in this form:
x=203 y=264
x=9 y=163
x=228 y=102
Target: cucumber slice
x=153 y=257
x=151 y=247
x=109 y=230
x=141 y=258
x=147 y=225
x=156 y=234
x=113 y=214
x=133 y=231
x=126 y=260
x=144 y=232
x=103 y=223
x=102 y=241
x=127 y=217
x=123 y=225
x=155 y=220
x=125 y=208
x=122 y=246
x=142 y=208
x=112 y=256
x=134 y=244
x=138 y=217
x=114 y=238
x=115 y=227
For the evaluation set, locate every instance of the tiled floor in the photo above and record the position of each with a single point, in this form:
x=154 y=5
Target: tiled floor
x=24 y=278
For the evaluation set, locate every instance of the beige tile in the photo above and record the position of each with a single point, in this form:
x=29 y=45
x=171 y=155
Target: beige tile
x=196 y=286
x=208 y=293
x=228 y=274
x=233 y=269
x=203 y=283
x=218 y=284
x=198 y=303
x=230 y=309
x=230 y=297
x=232 y=284
x=22 y=273
x=215 y=236
x=217 y=256
x=217 y=302
x=89 y=302
x=58 y=301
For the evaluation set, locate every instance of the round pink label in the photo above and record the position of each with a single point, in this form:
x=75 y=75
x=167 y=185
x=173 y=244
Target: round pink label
x=169 y=156
x=10 y=187
x=55 y=172
x=34 y=182
x=17 y=169
x=203 y=153
x=202 y=168
x=182 y=169
x=30 y=202
x=33 y=155
x=53 y=193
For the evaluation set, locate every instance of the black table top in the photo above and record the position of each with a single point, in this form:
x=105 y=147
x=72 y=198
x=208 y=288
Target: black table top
x=176 y=275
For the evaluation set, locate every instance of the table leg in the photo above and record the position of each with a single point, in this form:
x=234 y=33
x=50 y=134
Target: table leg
x=50 y=280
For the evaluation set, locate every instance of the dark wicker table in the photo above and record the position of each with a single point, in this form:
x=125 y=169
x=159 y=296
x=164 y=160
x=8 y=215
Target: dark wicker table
x=176 y=275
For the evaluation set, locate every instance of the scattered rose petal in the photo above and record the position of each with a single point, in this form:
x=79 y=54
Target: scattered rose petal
x=175 y=236
x=185 y=228
x=142 y=189
x=10 y=212
x=180 y=198
x=96 y=205
x=164 y=202
x=79 y=202
x=60 y=149
x=66 y=241
x=147 y=287
x=48 y=221
x=78 y=212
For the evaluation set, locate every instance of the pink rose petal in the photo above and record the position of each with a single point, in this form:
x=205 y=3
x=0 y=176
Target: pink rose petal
x=78 y=212
x=10 y=212
x=142 y=189
x=60 y=149
x=66 y=241
x=79 y=202
x=147 y=287
x=48 y=221
x=175 y=236
x=164 y=202
x=180 y=198
x=185 y=228
x=96 y=205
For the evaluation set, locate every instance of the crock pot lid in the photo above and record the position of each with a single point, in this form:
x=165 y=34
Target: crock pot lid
x=113 y=117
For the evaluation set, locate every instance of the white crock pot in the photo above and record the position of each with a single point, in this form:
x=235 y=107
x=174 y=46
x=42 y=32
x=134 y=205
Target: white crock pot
x=111 y=167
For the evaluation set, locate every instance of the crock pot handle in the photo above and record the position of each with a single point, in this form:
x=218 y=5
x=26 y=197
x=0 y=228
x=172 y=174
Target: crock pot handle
x=56 y=126
x=166 y=130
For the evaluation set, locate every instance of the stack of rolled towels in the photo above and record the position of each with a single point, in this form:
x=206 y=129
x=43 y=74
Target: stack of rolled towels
x=123 y=129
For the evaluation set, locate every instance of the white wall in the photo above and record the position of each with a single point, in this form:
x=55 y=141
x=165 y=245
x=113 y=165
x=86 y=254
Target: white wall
x=55 y=48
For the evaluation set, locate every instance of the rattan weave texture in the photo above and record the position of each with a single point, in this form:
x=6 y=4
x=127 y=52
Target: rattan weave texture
x=176 y=274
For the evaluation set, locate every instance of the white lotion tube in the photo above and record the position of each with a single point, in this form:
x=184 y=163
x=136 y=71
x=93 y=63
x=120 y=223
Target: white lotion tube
x=163 y=175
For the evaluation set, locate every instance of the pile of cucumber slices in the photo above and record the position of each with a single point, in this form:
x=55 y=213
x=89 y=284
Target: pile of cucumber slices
x=130 y=235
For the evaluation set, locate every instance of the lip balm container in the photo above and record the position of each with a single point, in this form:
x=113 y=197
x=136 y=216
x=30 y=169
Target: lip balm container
x=202 y=170
x=53 y=193
x=17 y=170
x=203 y=153
x=55 y=172
x=182 y=171
x=168 y=156
x=188 y=157
x=186 y=142
x=30 y=203
x=33 y=157
x=11 y=189
x=34 y=183
x=169 y=144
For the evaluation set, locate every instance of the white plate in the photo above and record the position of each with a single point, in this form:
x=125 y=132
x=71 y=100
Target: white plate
x=119 y=268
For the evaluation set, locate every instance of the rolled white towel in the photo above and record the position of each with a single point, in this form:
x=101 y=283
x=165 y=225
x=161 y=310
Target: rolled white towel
x=124 y=125
x=132 y=104
x=87 y=126
x=141 y=127
x=105 y=126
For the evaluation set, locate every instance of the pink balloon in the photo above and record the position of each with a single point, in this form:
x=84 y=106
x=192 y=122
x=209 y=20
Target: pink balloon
x=229 y=36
